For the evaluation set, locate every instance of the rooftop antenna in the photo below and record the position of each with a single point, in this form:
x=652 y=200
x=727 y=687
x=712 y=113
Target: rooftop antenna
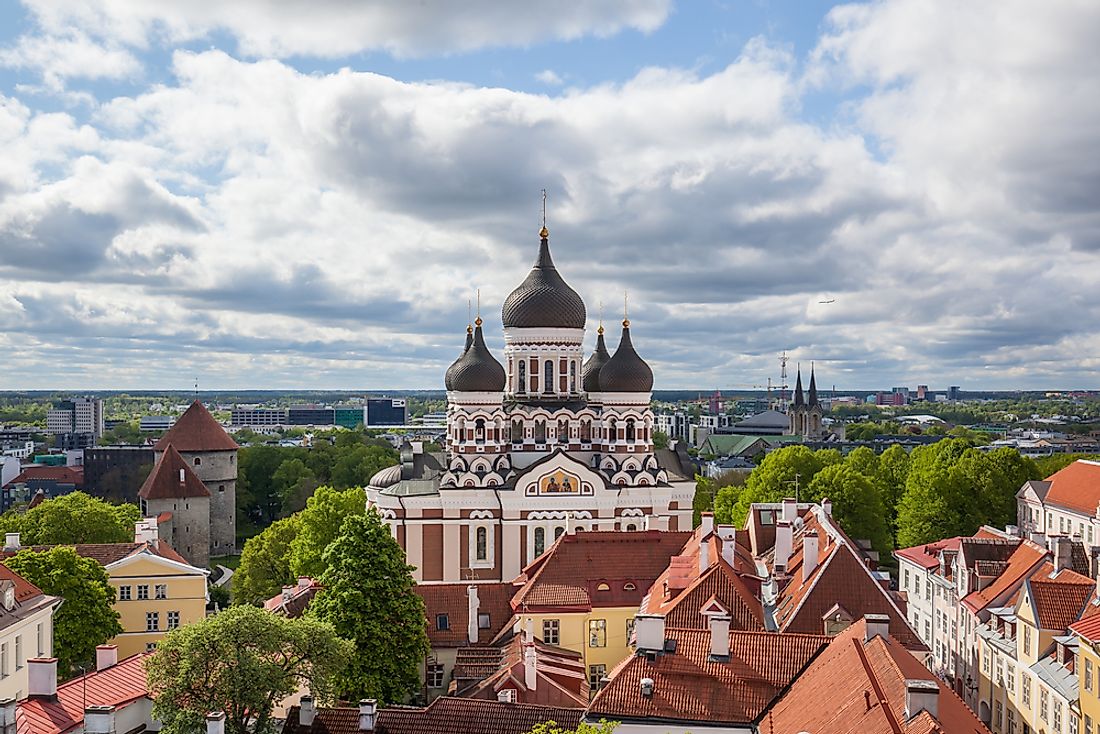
x=783 y=359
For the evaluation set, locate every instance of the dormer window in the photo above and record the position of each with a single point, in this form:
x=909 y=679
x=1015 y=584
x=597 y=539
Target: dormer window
x=9 y=596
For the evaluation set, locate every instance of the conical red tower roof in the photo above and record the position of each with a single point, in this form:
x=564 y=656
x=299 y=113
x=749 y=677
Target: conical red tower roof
x=171 y=478
x=196 y=430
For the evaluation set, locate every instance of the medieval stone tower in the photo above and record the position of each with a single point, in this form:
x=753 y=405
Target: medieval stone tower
x=211 y=454
x=180 y=502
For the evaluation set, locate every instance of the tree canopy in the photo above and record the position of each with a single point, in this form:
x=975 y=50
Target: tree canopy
x=265 y=563
x=86 y=618
x=857 y=504
x=368 y=597
x=319 y=524
x=552 y=727
x=73 y=518
x=242 y=661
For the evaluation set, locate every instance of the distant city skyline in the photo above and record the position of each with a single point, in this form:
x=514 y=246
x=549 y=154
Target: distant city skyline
x=899 y=191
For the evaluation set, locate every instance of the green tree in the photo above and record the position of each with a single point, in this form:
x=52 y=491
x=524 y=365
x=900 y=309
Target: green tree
x=243 y=662
x=717 y=495
x=552 y=727
x=1048 y=465
x=857 y=504
x=996 y=477
x=86 y=618
x=73 y=518
x=774 y=479
x=368 y=597
x=863 y=460
x=660 y=440
x=939 y=499
x=295 y=482
x=319 y=525
x=265 y=563
x=357 y=465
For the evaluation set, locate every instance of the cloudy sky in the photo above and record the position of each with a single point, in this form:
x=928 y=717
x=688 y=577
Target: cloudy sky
x=304 y=194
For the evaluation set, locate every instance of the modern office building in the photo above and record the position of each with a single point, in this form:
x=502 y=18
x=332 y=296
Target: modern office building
x=310 y=415
x=116 y=473
x=386 y=412
x=258 y=417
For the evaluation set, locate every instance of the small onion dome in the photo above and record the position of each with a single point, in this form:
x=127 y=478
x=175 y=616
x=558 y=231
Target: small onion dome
x=477 y=370
x=595 y=363
x=544 y=299
x=448 y=379
x=387 y=477
x=626 y=371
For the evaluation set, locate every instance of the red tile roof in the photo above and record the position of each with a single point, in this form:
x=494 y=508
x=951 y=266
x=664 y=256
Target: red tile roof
x=482 y=672
x=1059 y=600
x=572 y=572
x=23 y=589
x=858 y=687
x=108 y=553
x=119 y=686
x=442 y=716
x=452 y=600
x=1024 y=560
x=172 y=478
x=73 y=475
x=1077 y=487
x=690 y=687
x=196 y=430
x=1089 y=624
x=928 y=555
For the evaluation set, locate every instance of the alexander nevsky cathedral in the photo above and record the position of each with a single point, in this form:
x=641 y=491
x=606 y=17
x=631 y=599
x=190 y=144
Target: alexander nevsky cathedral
x=538 y=443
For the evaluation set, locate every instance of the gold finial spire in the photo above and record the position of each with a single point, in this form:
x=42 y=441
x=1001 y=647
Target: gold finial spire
x=544 y=232
x=626 y=316
x=600 y=330
x=477 y=321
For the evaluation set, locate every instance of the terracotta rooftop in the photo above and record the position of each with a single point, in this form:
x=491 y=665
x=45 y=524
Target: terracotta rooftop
x=1077 y=487
x=1058 y=601
x=108 y=553
x=597 y=568
x=444 y=715
x=452 y=601
x=196 y=430
x=172 y=478
x=73 y=475
x=858 y=687
x=690 y=687
x=29 y=599
x=23 y=589
x=120 y=685
x=292 y=601
x=1025 y=558
x=928 y=555
x=484 y=671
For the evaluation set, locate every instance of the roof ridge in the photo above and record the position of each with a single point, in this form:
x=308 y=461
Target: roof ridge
x=876 y=685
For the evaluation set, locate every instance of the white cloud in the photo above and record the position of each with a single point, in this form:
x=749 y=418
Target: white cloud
x=71 y=54
x=549 y=77
x=332 y=28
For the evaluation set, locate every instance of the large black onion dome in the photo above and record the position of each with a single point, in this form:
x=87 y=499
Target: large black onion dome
x=448 y=378
x=595 y=363
x=626 y=371
x=477 y=370
x=544 y=299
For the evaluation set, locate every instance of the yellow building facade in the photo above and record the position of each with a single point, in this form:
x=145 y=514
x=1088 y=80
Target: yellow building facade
x=600 y=636
x=154 y=595
x=1087 y=632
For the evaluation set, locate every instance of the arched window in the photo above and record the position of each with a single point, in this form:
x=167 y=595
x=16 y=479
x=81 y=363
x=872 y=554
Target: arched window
x=631 y=527
x=630 y=433
x=572 y=377
x=198 y=461
x=479 y=430
x=522 y=386
x=548 y=376
x=629 y=586
x=540 y=541
x=517 y=431
x=558 y=532
x=482 y=544
x=540 y=431
x=563 y=431
x=613 y=431
x=603 y=586
x=586 y=430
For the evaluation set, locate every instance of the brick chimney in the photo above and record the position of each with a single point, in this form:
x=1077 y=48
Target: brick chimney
x=878 y=625
x=7 y=716
x=306 y=710
x=720 y=637
x=809 y=554
x=921 y=695
x=827 y=506
x=649 y=631
x=105 y=656
x=530 y=668
x=1063 y=552
x=473 y=604
x=99 y=720
x=11 y=541
x=784 y=541
x=42 y=678
x=790 y=509
x=368 y=712
x=215 y=722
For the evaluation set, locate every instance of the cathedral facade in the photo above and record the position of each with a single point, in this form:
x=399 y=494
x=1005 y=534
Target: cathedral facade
x=541 y=442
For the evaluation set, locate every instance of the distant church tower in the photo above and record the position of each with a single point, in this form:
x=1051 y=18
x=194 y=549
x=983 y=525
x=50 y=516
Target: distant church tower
x=805 y=413
x=211 y=454
x=179 y=500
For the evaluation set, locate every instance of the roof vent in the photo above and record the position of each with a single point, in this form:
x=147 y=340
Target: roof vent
x=647 y=687
x=507 y=695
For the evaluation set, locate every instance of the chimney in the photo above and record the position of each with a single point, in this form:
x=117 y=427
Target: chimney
x=145 y=531
x=99 y=720
x=1063 y=552
x=784 y=540
x=878 y=625
x=790 y=510
x=215 y=722
x=42 y=677
x=827 y=506
x=728 y=536
x=528 y=631
x=288 y=593
x=720 y=637
x=649 y=631
x=809 y=554
x=11 y=541
x=105 y=656
x=304 y=582
x=704 y=556
x=1041 y=539
x=473 y=604
x=706 y=524
x=368 y=712
x=645 y=685
x=306 y=711
x=921 y=695
x=7 y=716
x=530 y=668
